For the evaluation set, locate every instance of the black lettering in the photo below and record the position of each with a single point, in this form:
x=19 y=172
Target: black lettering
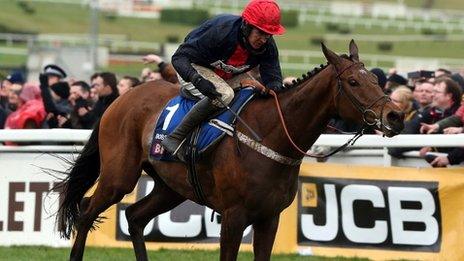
x=38 y=188
x=15 y=206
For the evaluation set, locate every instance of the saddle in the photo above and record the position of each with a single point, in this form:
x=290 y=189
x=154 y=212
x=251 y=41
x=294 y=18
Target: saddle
x=205 y=136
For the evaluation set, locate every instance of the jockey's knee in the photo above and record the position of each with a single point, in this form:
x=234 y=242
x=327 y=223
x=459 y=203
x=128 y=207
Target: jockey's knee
x=227 y=95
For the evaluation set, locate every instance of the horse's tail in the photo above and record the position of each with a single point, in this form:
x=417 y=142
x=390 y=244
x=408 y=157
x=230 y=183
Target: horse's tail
x=81 y=177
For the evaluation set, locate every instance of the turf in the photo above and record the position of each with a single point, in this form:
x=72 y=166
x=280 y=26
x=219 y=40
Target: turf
x=38 y=253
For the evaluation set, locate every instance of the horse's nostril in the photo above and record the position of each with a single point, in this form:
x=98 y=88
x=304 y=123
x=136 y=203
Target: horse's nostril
x=395 y=117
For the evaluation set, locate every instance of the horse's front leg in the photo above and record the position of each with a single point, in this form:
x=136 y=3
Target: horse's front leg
x=263 y=238
x=233 y=224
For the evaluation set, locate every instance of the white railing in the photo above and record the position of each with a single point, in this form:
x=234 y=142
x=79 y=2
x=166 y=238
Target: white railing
x=333 y=140
x=368 y=150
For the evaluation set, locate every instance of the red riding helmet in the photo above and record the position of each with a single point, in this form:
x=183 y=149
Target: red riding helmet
x=265 y=15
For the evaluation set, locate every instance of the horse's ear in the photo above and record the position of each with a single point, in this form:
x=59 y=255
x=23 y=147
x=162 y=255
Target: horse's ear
x=354 y=51
x=331 y=57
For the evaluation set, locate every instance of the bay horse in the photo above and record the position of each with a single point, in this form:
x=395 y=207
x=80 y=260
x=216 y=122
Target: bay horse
x=246 y=188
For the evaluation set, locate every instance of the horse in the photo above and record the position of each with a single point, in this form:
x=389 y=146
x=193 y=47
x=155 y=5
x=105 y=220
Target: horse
x=246 y=188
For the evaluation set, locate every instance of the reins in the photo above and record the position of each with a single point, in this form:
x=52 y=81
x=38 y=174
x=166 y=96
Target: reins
x=364 y=111
x=284 y=125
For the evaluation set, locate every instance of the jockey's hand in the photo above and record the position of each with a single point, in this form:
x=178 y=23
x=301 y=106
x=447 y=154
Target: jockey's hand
x=257 y=86
x=206 y=87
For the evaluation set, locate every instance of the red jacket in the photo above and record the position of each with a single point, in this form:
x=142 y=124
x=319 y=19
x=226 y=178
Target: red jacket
x=31 y=110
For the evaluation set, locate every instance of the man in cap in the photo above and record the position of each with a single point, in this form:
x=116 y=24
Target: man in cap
x=55 y=93
x=13 y=78
x=54 y=74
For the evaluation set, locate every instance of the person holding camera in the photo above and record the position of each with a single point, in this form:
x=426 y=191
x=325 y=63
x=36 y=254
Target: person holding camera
x=105 y=86
x=80 y=100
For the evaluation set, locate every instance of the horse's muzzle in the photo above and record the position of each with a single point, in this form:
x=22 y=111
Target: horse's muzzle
x=394 y=123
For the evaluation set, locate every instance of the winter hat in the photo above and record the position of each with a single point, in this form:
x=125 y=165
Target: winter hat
x=30 y=92
x=381 y=77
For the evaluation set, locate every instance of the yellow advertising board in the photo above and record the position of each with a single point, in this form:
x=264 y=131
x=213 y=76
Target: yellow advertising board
x=340 y=210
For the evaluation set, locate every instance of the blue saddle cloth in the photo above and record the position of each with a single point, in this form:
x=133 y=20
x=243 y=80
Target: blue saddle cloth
x=174 y=112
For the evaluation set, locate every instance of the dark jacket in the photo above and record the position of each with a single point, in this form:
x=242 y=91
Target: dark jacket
x=216 y=40
x=456 y=156
x=89 y=119
x=3 y=115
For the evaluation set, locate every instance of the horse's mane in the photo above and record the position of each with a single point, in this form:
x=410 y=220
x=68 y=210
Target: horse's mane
x=310 y=74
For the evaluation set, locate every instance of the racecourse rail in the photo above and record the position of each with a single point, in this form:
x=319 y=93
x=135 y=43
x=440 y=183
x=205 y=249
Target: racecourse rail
x=368 y=150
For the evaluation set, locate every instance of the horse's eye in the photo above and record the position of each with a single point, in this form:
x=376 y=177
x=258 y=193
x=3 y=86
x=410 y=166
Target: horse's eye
x=353 y=82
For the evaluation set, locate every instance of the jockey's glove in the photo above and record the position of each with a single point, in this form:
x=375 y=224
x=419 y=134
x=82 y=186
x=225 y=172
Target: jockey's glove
x=257 y=86
x=206 y=87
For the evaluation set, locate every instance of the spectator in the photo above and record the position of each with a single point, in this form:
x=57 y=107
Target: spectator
x=165 y=70
x=381 y=77
x=446 y=100
x=13 y=78
x=81 y=103
x=55 y=99
x=449 y=125
x=127 y=83
x=458 y=79
x=105 y=85
x=442 y=72
x=93 y=95
x=394 y=81
x=454 y=157
x=403 y=98
x=30 y=111
x=423 y=94
x=289 y=80
x=149 y=75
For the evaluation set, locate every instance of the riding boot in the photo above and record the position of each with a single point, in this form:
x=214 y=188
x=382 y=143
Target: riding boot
x=199 y=112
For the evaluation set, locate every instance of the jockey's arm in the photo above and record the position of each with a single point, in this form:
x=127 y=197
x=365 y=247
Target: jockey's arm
x=183 y=65
x=269 y=68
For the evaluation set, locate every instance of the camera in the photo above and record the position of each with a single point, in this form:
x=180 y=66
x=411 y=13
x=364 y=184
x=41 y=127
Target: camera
x=421 y=74
x=81 y=102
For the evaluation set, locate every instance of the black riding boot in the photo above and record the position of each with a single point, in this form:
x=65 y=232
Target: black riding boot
x=199 y=112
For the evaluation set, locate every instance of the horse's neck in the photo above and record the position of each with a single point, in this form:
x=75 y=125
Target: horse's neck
x=307 y=110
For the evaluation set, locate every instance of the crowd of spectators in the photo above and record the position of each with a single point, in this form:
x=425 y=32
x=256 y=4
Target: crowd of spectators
x=55 y=101
x=432 y=103
x=430 y=100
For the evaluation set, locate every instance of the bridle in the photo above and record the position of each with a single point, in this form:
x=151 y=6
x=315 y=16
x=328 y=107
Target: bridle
x=365 y=111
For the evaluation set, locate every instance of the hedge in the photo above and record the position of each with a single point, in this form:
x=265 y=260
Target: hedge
x=184 y=16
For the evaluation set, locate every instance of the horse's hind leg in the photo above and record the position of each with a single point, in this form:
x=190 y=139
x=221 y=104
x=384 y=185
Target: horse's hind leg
x=115 y=181
x=263 y=237
x=233 y=224
x=161 y=199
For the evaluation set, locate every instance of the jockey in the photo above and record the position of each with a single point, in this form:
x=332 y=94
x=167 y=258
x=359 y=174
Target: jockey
x=226 y=46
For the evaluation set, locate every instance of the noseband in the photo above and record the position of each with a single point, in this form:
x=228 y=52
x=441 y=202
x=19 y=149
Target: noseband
x=365 y=111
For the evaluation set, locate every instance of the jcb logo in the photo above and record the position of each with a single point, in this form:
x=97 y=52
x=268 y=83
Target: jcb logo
x=371 y=213
x=188 y=222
